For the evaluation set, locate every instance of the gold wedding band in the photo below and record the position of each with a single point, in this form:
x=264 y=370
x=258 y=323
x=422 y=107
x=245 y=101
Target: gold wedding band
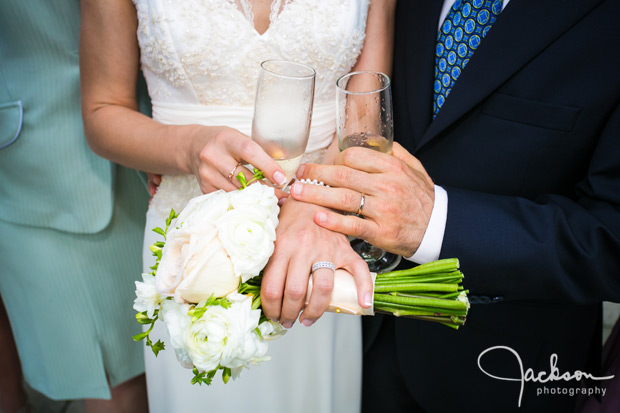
x=361 y=207
x=232 y=171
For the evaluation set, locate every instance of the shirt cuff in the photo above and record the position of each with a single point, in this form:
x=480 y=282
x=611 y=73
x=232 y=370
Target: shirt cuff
x=430 y=247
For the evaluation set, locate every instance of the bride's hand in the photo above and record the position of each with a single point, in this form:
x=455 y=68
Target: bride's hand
x=299 y=244
x=217 y=155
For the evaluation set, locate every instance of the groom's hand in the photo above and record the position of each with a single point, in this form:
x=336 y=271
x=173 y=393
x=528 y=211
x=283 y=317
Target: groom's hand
x=398 y=197
x=299 y=244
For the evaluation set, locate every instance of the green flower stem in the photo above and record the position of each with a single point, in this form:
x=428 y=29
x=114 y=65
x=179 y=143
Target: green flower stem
x=422 y=302
x=414 y=287
x=430 y=292
x=434 y=267
x=439 y=278
x=434 y=310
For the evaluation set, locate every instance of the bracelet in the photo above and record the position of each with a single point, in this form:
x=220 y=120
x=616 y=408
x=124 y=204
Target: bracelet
x=313 y=182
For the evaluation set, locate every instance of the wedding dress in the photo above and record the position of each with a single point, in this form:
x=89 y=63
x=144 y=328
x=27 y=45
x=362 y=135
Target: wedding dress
x=200 y=59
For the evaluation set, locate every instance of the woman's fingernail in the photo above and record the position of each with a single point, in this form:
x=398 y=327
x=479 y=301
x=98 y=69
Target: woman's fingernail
x=368 y=299
x=279 y=178
x=287 y=325
x=296 y=188
x=307 y=323
x=322 y=217
x=282 y=201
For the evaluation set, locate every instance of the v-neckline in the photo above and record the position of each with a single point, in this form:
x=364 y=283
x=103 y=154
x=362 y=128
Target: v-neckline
x=250 y=23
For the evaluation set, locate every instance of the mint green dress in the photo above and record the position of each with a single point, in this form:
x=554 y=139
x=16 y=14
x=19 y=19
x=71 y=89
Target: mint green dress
x=71 y=223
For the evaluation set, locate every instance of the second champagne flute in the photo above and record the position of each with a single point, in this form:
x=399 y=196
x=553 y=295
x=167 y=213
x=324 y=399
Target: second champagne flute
x=364 y=118
x=283 y=112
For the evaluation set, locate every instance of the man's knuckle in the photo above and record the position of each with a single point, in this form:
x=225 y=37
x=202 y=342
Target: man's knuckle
x=347 y=199
x=342 y=176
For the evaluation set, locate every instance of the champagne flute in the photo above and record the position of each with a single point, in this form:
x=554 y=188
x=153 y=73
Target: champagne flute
x=364 y=118
x=283 y=112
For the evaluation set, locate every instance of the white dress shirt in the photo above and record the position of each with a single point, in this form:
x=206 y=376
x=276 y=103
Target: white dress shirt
x=430 y=247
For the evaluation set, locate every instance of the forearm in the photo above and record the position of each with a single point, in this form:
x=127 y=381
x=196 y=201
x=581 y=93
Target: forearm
x=549 y=249
x=377 y=52
x=129 y=138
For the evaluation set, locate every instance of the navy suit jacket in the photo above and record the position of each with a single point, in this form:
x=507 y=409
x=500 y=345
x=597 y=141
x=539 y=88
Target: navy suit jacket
x=527 y=146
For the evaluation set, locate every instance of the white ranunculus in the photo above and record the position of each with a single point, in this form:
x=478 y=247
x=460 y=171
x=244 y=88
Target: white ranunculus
x=194 y=263
x=177 y=323
x=226 y=336
x=147 y=296
x=261 y=195
x=248 y=236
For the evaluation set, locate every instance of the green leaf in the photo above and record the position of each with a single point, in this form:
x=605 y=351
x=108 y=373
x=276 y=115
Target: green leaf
x=159 y=231
x=203 y=377
x=242 y=180
x=140 y=336
x=226 y=375
x=196 y=313
x=171 y=216
x=223 y=302
x=258 y=174
x=154 y=248
x=157 y=347
x=142 y=318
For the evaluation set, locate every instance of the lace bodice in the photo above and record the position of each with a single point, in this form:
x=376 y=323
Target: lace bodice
x=201 y=59
x=208 y=52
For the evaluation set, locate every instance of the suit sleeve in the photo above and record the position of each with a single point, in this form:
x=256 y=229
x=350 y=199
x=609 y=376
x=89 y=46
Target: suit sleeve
x=549 y=248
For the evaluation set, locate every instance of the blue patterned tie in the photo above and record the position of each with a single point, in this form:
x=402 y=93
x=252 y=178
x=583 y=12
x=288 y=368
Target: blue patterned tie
x=459 y=36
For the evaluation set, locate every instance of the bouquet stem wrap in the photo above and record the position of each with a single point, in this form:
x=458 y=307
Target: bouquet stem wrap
x=430 y=292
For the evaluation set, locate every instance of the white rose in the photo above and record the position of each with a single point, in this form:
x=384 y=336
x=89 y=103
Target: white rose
x=177 y=323
x=226 y=337
x=207 y=269
x=194 y=263
x=261 y=195
x=147 y=296
x=204 y=210
x=248 y=236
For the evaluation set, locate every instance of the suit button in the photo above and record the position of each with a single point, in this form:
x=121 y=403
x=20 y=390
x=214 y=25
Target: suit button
x=497 y=299
x=484 y=299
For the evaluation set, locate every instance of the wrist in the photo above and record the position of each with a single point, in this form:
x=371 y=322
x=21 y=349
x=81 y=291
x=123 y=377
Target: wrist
x=194 y=139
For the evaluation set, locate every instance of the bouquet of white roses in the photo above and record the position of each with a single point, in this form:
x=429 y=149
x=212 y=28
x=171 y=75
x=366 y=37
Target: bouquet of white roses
x=200 y=286
x=205 y=284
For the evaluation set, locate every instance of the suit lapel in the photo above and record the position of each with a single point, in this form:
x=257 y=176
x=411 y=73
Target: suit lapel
x=522 y=31
x=416 y=37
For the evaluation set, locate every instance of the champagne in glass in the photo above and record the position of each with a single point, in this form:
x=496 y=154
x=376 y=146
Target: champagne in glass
x=283 y=112
x=364 y=118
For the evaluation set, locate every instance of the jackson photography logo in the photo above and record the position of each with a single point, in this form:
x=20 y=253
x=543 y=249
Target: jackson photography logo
x=545 y=377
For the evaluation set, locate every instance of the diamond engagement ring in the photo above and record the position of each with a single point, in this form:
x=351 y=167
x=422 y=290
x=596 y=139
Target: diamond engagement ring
x=362 y=202
x=323 y=264
x=232 y=171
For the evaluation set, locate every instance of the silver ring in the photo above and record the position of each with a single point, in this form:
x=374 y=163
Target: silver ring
x=232 y=171
x=362 y=202
x=323 y=264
